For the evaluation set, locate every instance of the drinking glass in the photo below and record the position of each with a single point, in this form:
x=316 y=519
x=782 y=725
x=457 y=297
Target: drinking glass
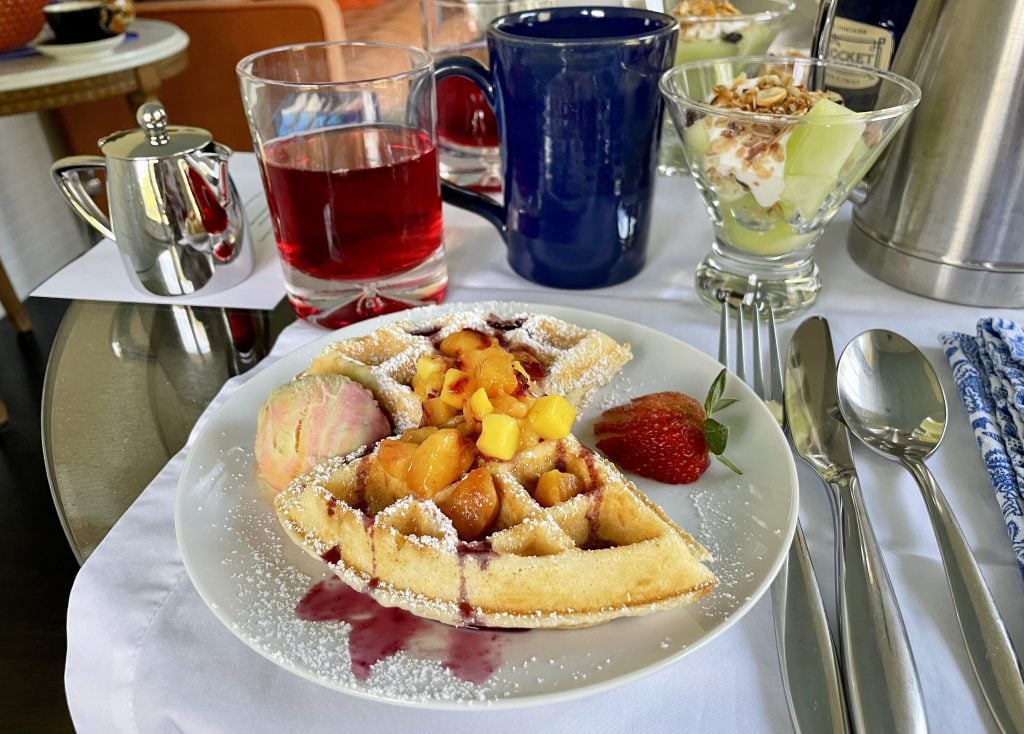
x=718 y=36
x=467 y=130
x=345 y=137
x=772 y=182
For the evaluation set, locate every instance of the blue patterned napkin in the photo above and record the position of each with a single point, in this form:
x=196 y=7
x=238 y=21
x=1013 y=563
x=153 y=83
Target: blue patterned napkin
x=989 y=373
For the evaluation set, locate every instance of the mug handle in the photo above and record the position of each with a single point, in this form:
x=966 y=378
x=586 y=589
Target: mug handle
x=460 y=196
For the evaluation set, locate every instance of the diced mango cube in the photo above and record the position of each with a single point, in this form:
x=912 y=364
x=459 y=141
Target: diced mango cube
x=551 y=416
x=480 y=404
x=499 y=437
x=437 y=412
x=457 y=388
x=555 y=487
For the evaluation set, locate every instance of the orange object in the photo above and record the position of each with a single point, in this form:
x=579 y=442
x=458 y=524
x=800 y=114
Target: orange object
x=206 y=94
x=22 y=21
x=354 y=4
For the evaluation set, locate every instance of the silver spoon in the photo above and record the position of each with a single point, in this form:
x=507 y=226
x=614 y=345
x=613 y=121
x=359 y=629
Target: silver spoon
x=892 y=401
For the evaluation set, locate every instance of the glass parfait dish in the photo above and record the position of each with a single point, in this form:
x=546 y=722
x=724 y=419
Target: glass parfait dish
x=774 y=153
x=714 y=29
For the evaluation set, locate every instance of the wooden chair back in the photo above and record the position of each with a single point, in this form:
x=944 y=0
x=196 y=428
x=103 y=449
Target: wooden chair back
x=206 y=94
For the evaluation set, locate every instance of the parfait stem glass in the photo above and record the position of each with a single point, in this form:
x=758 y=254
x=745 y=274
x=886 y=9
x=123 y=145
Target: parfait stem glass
x=771 y=181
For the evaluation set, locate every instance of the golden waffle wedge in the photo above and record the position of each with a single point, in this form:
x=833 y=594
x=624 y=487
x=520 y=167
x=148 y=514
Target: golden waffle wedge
x=604 y=553
x=573 y=361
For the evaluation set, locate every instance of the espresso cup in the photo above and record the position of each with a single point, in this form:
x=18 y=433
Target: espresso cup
x=575 y=94
x=79 y=21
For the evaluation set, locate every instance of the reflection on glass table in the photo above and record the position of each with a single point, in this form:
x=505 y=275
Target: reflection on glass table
x=125 y=384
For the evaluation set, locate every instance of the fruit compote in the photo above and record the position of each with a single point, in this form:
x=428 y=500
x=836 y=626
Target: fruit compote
x=477 y=402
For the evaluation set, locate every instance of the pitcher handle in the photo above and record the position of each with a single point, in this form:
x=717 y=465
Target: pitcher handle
x=65 y=175
x=460 y=196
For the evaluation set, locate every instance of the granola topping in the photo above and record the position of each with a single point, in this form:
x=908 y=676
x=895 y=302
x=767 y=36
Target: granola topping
x=707 y=31
x=772 y=94
x=704 y=8
x=750 y=156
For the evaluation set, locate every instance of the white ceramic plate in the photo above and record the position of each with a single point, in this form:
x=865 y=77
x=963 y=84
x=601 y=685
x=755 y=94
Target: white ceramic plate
x=251 y=576
x=80 y=51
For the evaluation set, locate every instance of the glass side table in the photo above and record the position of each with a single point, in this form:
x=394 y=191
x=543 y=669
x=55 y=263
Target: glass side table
x=125 y=384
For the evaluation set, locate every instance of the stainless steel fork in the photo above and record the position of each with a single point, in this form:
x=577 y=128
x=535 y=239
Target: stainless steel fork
x=807 y=656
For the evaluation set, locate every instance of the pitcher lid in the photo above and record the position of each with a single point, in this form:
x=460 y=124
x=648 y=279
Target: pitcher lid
x=154 y=138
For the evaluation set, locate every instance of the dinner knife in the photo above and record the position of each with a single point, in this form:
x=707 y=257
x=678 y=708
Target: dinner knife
x=807 y=656
x=882 y=688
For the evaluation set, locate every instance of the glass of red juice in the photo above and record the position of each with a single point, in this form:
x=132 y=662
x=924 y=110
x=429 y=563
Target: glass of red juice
x=467 y=130
x=345 y=135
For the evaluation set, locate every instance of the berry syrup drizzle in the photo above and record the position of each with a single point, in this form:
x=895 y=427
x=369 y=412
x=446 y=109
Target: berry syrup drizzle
x=378 y=632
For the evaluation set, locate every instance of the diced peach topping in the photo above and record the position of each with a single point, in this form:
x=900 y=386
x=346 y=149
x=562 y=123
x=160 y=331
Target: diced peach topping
x=494 y=372
x=429 y=377
x=551 y=416
x=528 y=438
x=499 y=437
x=480 y=404
x=396 y=456
x=437 y=412
x=471 y=504
x=457 y=387
x=443 y=457
x=466 y=340
x=418 y=435
x=511 y=406
x=476 y=392
x=555 y=487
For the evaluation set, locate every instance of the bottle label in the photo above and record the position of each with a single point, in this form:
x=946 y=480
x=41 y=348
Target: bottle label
x=858 y=43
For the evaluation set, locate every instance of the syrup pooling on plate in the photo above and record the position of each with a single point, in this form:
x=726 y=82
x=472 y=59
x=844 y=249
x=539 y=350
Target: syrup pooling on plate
x=379 y=632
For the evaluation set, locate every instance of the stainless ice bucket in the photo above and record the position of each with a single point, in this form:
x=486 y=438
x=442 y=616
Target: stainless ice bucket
x=943 y=214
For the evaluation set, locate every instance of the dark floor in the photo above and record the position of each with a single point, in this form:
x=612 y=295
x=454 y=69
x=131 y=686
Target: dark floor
x=36 y=564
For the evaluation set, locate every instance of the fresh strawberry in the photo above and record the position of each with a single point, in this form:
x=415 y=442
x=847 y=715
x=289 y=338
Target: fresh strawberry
x=667 y=436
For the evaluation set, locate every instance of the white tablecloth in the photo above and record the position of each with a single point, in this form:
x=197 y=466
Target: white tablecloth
x=145 y=654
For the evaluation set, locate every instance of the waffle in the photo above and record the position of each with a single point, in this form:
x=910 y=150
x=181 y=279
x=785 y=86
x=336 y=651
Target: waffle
x=570 y=361
x=484 y=509
x=604 y=553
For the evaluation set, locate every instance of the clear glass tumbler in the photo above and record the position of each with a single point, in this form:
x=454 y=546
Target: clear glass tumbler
x=467 y=130
x=345 y=134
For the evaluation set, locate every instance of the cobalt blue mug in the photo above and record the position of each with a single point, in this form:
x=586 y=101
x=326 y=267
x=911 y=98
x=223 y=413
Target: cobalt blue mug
x=575 y=93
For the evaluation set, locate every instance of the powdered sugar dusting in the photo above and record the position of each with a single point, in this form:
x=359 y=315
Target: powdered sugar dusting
x=729 y=538
x=269 y=584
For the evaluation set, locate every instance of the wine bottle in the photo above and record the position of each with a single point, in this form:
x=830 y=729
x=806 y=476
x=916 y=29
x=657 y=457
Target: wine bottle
x=865 y=32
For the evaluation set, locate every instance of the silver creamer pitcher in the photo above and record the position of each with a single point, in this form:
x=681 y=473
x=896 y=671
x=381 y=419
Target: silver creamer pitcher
x=944 y=210
x=174 y=212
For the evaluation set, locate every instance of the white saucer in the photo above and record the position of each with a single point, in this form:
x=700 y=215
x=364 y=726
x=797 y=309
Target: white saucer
x=80 y=51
